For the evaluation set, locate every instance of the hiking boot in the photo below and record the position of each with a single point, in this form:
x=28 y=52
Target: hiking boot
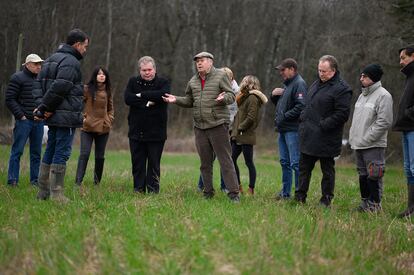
x=43 y=180
x=235 y=199
x=280 y=197
x=57 y=180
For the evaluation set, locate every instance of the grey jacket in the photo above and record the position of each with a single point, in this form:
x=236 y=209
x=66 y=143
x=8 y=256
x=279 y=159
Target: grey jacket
x=207 y=112
x=372 y=118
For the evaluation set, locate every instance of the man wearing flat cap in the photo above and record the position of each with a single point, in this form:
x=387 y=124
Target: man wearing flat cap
x=289 y=101
x=20 y=101
x=368 y=136
x=404 y=122
x=207 y=93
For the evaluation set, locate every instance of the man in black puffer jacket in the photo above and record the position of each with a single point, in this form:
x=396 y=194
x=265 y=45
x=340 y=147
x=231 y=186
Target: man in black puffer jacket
x=328 y=104
x=147 y=122
x=58 y=93
x=20 y=101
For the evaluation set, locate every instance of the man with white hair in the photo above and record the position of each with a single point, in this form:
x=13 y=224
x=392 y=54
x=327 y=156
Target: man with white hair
x=20 y=101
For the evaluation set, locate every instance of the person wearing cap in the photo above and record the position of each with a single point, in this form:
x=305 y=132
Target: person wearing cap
x=368 y=136
x=404 y=122
x=208 y=93
x=20 y=101
x=327 y=108
x=289 y=101
x=58 y=94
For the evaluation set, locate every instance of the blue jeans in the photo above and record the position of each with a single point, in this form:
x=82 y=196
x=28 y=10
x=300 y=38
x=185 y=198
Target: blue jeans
x=23 y=130
x=289 y=160
x=59 y=145
x=408 y=152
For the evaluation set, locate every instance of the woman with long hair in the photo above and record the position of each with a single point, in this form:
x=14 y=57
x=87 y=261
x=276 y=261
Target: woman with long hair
x=249 y=101
x=98 y=117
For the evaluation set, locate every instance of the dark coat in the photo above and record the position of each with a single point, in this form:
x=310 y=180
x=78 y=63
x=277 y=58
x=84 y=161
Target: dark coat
x=322 y=121
x=290 y=104
x=59 y=88
x=404 y=120
x=147 y=122
x=19 y=98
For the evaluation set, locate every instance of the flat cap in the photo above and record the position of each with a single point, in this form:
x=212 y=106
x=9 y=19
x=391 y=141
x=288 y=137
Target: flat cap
x=203 y=54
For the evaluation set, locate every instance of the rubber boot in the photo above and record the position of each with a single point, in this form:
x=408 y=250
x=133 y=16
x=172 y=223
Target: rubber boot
x=410 y=205
x=99 y=165
x=364 y=190
x=43 y=181
x=57 y=178
x=80 y=171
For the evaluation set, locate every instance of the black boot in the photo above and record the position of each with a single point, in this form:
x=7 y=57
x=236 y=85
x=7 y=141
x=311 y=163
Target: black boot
x=410 y=207
x=364 y=190
x=80 y=171
x=99 y=165
x=374 y=201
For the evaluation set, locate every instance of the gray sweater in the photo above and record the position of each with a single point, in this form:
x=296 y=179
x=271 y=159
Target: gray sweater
x=372 y=118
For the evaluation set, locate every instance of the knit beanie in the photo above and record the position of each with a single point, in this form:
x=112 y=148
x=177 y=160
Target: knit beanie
x=373 y=71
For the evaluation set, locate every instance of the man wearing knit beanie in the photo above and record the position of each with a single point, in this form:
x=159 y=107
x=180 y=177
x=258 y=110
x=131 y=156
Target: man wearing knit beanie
x=368 y=136
x=404 y=122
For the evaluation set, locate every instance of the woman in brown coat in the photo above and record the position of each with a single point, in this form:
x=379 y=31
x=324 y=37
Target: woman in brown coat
x=243 y=134
x=98 y=116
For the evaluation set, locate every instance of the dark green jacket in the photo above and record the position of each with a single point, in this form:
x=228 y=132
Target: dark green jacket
x=247 y=118
x=207 y=112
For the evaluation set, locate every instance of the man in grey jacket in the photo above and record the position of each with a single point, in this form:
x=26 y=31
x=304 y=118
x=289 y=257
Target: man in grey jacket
x=368 y=136
x=208 y=93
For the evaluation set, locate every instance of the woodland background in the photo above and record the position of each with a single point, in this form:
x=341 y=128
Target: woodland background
x=248 y=36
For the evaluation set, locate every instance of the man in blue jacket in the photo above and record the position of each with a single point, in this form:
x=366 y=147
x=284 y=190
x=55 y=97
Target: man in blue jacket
x=20 y=101
x=289 y=101
x=58 y=94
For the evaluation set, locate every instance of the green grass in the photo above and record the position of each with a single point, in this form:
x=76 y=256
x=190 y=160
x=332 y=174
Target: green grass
x=108 y=229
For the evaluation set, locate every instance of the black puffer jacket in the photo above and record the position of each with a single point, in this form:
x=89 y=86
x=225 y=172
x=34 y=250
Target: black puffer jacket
x=19 y=98
x=147 y=121
x=404 y=120
x=322 y=121
x=59 y=88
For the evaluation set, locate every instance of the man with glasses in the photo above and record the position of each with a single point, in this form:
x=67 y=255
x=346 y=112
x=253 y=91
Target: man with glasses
x=320 y=132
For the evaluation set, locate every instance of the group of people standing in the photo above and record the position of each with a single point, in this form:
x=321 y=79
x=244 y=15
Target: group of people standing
x=310 y=123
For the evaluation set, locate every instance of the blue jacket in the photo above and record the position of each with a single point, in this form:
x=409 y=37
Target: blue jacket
x=59 y=88
x=290 y=104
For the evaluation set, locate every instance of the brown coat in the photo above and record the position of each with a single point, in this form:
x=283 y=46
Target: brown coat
x=98 y=114
x=247 y=118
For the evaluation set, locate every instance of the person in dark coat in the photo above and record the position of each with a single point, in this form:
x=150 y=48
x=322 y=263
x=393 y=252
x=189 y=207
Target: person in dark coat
x=20 y=101
x=58 y=93
x=147 y=122
x=320 y=132
x=404 y=122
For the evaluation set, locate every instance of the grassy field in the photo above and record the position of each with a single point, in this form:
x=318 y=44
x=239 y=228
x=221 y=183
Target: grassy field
x=108 y=229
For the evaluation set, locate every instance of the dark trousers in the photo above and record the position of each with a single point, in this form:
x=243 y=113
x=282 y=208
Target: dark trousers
x=306 y=165
x=100 y=144
x=247 y=150
x=210 y=142
x=146 y=158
